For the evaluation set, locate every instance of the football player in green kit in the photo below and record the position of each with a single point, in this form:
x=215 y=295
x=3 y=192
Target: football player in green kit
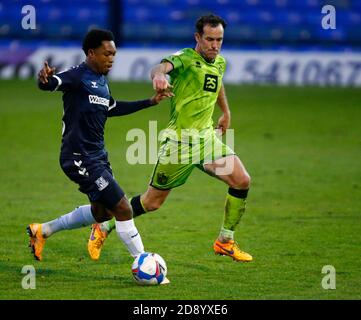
x=196 y=81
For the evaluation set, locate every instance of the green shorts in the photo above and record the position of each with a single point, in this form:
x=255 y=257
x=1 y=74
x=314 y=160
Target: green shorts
x=176 y=159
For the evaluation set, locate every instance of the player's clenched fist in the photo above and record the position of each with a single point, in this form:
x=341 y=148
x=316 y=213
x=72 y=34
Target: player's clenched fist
x=159 y=78
x=162 y=86
x=160 y=82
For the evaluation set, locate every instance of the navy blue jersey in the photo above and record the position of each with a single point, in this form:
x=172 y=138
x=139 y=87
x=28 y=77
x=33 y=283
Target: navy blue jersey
x=87 y=105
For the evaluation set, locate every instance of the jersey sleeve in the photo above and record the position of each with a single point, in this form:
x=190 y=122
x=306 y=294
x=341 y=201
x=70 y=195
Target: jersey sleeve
x=112 y=103
x=122 y=108
x=177 y=60
x=67 y=80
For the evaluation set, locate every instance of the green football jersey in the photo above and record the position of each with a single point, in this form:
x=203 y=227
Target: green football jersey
x=196 y=84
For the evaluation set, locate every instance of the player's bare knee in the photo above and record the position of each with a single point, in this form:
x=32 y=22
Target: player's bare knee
x=243 y=182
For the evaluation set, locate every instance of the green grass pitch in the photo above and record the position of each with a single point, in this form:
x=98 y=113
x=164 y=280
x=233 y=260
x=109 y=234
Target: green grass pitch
x=302 y=147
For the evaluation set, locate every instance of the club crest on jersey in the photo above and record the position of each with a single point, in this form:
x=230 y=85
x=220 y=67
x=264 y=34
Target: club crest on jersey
x=101 y=183
x=210 y=83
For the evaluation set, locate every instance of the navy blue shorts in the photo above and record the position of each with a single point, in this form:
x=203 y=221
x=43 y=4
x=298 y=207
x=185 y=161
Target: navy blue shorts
x=95 y=179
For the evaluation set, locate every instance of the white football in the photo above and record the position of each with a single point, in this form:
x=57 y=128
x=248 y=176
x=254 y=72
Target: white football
x=149 y=269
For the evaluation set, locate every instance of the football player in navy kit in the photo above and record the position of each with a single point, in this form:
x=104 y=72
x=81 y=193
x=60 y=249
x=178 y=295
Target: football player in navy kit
x=87 y=105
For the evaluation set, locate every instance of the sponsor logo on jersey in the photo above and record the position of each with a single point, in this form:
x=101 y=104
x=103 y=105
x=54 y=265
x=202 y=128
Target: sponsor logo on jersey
x=210 y=82
x=98 y=100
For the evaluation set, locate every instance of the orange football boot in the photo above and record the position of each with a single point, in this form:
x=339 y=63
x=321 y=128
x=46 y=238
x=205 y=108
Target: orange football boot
x=37 y=240
x=232 y=250
x=96 y=241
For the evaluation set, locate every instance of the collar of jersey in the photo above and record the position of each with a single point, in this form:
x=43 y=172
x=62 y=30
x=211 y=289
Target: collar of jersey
x=211 y=63
x=99 y=77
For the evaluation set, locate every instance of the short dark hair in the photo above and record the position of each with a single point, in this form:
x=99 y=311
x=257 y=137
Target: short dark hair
x=211 y=19
x=93 y=39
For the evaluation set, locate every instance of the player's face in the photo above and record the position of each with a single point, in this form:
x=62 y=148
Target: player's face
x=102 y=58
x=210 y=42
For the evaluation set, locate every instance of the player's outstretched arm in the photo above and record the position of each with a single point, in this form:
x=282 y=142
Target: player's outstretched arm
x=122 y=108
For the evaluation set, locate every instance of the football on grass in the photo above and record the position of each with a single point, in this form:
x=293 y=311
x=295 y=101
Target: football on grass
x=149 y=269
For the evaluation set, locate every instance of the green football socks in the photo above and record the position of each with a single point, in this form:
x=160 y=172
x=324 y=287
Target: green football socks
x=234 y=209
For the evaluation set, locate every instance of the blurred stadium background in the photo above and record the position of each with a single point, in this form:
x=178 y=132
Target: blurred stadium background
x=266 y=41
